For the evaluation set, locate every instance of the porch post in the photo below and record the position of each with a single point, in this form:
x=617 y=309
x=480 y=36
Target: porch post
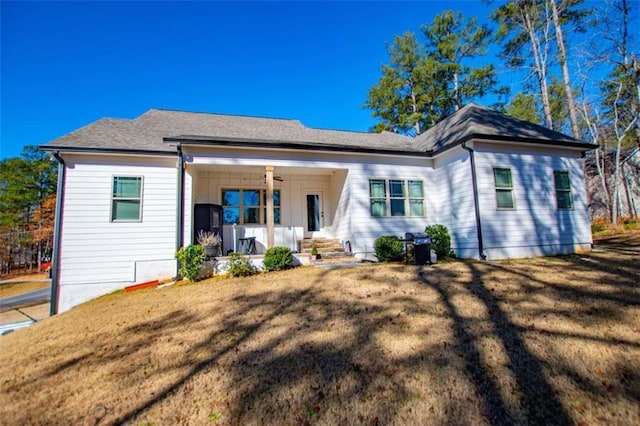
x=270 y=215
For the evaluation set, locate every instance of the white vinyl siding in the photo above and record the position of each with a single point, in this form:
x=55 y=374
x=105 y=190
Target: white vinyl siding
x=537 y=227
x=365 y=228
x=451 y=194
x=101 y=255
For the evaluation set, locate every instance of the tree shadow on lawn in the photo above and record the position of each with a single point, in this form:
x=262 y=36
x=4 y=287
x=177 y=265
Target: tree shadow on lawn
x=539 y=402
x=454 y=343
x=315 y=354
x=593 y=308
x=404 y=351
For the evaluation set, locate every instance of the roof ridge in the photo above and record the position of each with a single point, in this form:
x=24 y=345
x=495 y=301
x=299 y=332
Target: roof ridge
x=220 y=114
x=360 y=132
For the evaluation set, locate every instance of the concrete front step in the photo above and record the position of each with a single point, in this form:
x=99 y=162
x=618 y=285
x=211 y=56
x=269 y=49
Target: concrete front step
x=324 y=245
x=337 y=260
x=334 y=255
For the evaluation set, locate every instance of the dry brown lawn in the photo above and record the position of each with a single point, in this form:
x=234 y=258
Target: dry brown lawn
x=542 y=341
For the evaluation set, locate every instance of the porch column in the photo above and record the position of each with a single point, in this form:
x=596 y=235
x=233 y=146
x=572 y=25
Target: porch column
x=270 y=214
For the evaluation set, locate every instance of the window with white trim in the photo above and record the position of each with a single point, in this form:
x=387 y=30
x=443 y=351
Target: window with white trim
x=504 y=188
x=396 y=197
x=563 y=190
x=248 y=206
x=126 y=199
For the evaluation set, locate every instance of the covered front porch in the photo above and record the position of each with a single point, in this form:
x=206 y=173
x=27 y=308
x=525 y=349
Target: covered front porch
x=266 y=205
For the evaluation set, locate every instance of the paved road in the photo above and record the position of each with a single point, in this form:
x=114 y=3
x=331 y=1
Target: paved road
x=41 y=295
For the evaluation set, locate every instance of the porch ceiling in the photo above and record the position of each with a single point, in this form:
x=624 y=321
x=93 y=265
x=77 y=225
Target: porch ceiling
x=280 y=170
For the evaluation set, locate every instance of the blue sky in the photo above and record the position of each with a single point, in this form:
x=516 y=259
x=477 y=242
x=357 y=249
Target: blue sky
x=66 y=64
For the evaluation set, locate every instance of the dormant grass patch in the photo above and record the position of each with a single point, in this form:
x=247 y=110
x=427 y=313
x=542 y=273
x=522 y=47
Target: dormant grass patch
x=547 y=340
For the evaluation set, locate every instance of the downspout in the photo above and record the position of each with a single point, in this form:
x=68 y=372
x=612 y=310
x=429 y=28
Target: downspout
x=180 y=201
x=474 y=182
x=55 y=257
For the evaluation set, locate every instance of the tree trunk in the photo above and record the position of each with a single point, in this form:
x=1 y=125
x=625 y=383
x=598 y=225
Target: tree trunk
x=540 y=66
x=562 y=56
x=603 y=181
x=456 y=94
x=600 y=163
x=627 y=193
x=636 y=105
x=414 y=108
x=616 y=168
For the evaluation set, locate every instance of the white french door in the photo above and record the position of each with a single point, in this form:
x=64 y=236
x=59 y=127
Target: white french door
x=314 y=214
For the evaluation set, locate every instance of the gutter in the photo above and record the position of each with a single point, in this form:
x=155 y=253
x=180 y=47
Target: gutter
x=180 y=201
x=114 y=151
x=474 y=181
x=55 y=258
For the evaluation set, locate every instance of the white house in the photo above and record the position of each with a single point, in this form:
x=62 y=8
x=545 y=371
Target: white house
x=128 y=190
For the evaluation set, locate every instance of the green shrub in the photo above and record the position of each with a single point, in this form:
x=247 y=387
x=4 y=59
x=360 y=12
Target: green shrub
x=240 y=265
x=389 y=248
x=190 y=259
x=277 y=258
x=440 y=240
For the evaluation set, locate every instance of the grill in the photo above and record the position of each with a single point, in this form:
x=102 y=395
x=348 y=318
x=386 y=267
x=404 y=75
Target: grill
x=421 y=247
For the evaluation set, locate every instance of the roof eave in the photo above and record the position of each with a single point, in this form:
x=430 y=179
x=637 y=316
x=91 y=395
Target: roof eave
x=298 y=146
x=582 y=146
x=96 y=150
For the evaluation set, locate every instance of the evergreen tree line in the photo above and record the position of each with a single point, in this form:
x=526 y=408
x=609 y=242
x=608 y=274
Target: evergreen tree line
x=579 y=74
x=27 y=210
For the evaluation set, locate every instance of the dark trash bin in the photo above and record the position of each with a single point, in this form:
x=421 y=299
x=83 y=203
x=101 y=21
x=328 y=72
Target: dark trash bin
x=421 y=247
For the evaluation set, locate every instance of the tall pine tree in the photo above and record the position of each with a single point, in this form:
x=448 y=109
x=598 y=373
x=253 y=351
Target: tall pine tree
x=424 y=83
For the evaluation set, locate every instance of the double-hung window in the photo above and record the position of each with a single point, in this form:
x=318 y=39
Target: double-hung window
x=248 y=206
x=504 y=188
x=378 y=196
x=416 y=198
x=563 y=190
x=126 y=199
x=396 y=197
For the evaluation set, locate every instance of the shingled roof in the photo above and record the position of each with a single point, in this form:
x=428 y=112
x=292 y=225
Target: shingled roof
x=476 y=121
x=158 y=130
x=149 y=131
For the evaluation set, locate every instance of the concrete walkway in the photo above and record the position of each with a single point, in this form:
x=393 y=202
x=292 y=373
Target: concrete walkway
x=35 y=312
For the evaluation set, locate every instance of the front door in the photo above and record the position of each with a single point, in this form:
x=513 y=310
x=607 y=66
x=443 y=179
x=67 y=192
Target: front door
x=314 y=218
